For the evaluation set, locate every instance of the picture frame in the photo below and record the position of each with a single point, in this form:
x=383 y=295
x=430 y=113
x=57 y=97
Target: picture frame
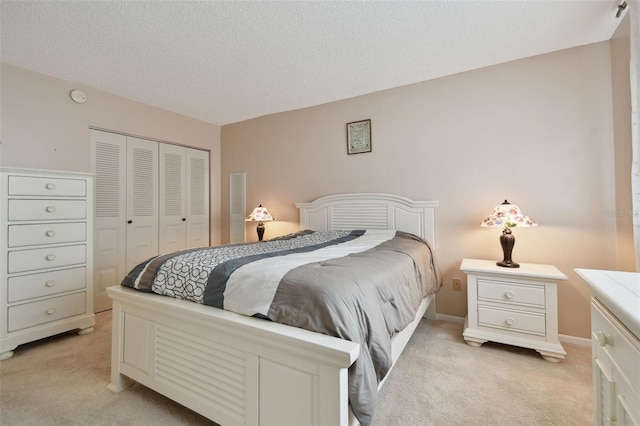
x=359 y=137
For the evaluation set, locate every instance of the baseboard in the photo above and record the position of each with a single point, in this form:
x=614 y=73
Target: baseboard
x=580 y=341
x=450 y=318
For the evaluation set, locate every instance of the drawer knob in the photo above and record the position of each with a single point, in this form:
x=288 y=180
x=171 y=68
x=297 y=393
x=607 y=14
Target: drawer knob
x=50 y=311
x=50 y=186
x=50 y=209
x=510 y=321
x=50 y=257
x=509 y=295
x=50 y=233
x=604 y=339
x=50 y=283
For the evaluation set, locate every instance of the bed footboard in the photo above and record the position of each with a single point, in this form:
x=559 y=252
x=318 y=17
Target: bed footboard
x=229 y=368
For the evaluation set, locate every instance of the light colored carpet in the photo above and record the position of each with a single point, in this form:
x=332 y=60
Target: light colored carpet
x=439 y=380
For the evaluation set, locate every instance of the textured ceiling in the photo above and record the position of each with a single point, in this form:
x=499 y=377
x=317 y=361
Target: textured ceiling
x=224 y=62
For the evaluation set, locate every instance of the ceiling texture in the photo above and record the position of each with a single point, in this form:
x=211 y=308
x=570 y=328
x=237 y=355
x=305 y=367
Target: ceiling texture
x=227 y=61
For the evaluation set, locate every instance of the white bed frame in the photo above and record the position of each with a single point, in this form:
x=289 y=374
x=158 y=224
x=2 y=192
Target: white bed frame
x=235 y=369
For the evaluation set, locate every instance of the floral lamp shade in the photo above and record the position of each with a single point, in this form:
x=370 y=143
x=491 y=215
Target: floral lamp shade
x=260 y=214
x=507 y=216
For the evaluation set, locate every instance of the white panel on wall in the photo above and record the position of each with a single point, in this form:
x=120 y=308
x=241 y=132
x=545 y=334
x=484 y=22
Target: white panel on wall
x=237 y=207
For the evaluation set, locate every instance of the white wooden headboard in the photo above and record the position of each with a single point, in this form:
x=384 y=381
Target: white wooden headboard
x=369 y=211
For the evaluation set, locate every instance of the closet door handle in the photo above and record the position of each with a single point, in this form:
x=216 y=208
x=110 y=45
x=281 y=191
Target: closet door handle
x=129 y=221
x=184 y=219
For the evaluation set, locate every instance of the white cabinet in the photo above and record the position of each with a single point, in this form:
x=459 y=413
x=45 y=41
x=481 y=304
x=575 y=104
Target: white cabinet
x=615 y=323
x=515 y=306
x=151 y=198
x=46 y=272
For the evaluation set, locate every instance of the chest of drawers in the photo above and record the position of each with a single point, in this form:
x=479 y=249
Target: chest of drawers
x=46 y=270
x=615 y=344
x=513 y=306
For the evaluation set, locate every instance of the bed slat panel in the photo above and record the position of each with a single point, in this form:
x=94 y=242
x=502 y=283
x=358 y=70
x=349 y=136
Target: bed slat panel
x=222 y=367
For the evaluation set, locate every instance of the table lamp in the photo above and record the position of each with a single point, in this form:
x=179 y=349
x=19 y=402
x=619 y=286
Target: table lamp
x=507 y=216
x=260 y=214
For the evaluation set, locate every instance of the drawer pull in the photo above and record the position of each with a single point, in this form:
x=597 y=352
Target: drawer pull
x=50 y=209
x=50 y=283
x=51 y=311
x=50 y=186
x=509 y=295
x=50 y=257
x=604 y=339
x=510 y=321
x=50 y=233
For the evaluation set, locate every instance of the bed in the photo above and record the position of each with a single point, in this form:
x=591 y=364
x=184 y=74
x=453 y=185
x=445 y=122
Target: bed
x=238 y=369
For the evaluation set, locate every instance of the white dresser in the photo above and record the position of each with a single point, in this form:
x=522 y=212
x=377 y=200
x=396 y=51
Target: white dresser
x=515 y=306
x=615 y=340
x=46 y=270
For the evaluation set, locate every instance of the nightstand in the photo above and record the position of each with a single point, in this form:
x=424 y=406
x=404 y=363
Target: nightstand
x=515 y=306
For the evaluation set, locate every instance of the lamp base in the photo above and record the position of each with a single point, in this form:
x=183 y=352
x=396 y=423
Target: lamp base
x=260 y=230
x=508 y=264
x=507 y=241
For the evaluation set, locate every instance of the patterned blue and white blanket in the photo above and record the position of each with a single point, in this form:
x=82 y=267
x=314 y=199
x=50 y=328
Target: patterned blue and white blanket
x=363 y=286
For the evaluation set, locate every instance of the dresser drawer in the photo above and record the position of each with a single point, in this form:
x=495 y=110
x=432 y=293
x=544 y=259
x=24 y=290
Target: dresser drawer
x=47 y=209
x=59 y=187
x=523 y=294
x=44 y=311
x=52 y=233
x=45 y=284
x=617 y=341
x=53 y=257
x=511 y=320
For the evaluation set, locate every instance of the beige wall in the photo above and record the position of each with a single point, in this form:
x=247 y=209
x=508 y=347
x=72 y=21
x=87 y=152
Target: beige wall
x=41 y=127
x=620 y=56
x=537 y=131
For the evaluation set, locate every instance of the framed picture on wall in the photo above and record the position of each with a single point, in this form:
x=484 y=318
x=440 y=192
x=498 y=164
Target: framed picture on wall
x=359 y=137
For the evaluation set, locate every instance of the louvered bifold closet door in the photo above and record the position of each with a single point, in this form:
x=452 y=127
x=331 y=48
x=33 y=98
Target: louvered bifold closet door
x=142 y=200
x=173 y=215
x=108 y=162
x=197 y=198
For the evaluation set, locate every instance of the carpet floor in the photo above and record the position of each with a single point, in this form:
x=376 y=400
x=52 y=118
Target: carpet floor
x=438 y=380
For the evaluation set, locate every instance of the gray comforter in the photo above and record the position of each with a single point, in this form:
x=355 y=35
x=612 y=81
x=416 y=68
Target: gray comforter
x=364 y=286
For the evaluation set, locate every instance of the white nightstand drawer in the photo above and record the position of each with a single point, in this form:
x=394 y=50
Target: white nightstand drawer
x=621 y=345
x=511 y=320
x=53 y=257
x=51 y=233
x=47 y=209
x=44 y=311
x=511 y=292
x=27 y=185
x=45 y=284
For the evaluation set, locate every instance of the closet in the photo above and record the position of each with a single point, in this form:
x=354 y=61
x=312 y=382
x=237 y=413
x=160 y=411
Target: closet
x=151 y=198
